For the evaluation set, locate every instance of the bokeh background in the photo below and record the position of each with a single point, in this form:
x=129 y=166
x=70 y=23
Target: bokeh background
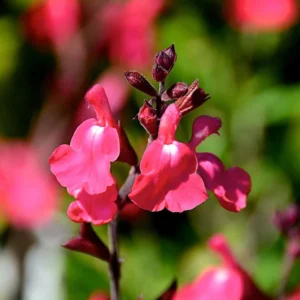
x=245 y=55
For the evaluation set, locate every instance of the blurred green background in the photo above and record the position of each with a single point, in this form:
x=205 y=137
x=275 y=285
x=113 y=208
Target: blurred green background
x=253 y=79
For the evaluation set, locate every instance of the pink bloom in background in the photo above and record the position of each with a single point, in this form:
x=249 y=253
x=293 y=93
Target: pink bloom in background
x=130 y=31
x=84 y=166
x=231 y=186
x=262 y=15
x=225 y=282
x=98 y=296
x=294 y=295
x=52 y=22
x=168 y=172
x=116 y=89
x=28 y=194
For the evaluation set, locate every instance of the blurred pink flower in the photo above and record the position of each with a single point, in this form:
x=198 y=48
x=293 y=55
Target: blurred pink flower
x=52 y=22
x=168 y=176
x=98 y=296
x=116 y=89
x=295 y=295
x=262 y=15
x=228 y=281
x=28 y=194
x=84 y=166
x=130 y=31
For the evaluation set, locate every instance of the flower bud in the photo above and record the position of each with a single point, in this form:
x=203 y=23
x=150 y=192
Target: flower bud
x=148 y=119
x=166 y=58
x=177 y=90
x=159 y=74
x=164 y=62
x=139 y=82
x=286 y=221
x=89 y=243
x=194 y=97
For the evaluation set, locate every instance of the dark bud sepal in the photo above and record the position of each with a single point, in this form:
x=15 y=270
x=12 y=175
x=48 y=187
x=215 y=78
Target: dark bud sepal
x=139 y=82
x=194 y=97
x=176 y=91
x=148 y=118
x=166 y=58
x=89 y=243
x=159 y=74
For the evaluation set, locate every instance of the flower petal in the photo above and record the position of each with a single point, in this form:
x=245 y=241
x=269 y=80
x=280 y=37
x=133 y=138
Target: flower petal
x=168 y=124
x=189 y=194
x=216 y=283
x=89 y=165
x=233 y=190
x=167 y=169
x=203 y=127
x=210 y=168
x=98 y=209
x=96 y=96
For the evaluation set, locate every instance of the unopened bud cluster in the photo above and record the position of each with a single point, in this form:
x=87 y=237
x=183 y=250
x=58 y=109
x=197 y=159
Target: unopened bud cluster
x=186 y=98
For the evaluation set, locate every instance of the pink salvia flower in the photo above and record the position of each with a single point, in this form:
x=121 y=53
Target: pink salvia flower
x=94 y=145
x=131 y=39
x=28 y=194
x=52 y=22
x=84 y=166
x=168 y=171
x=262 y=15
x=231 y=186
x=228 y=281
x=98 y=296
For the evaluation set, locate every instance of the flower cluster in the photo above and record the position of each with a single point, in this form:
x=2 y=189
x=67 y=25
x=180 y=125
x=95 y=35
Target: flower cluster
x=171 y=175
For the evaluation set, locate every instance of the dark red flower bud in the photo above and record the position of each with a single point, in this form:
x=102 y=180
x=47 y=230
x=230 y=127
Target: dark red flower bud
x=194 y=97
x=166 y=58
x=163 y=60
x=169 y=293
x=148 y=119
x=286 y=221
x=139 y=82
x=170 y=51
x=177 y=90
x=159 y=73
x=89 y=243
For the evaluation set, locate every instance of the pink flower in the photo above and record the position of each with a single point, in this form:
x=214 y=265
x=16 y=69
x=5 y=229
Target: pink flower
x=98 y=296
x=168 y=172
x=228 y=281
x=262 y=15
x=28 y=195
x=130 y=39
x=84 y=166
x=52 y=22
x=295 y=295
x=231 y=186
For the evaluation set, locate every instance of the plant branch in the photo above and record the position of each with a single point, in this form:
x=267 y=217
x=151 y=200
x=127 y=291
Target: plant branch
x=114 y=263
